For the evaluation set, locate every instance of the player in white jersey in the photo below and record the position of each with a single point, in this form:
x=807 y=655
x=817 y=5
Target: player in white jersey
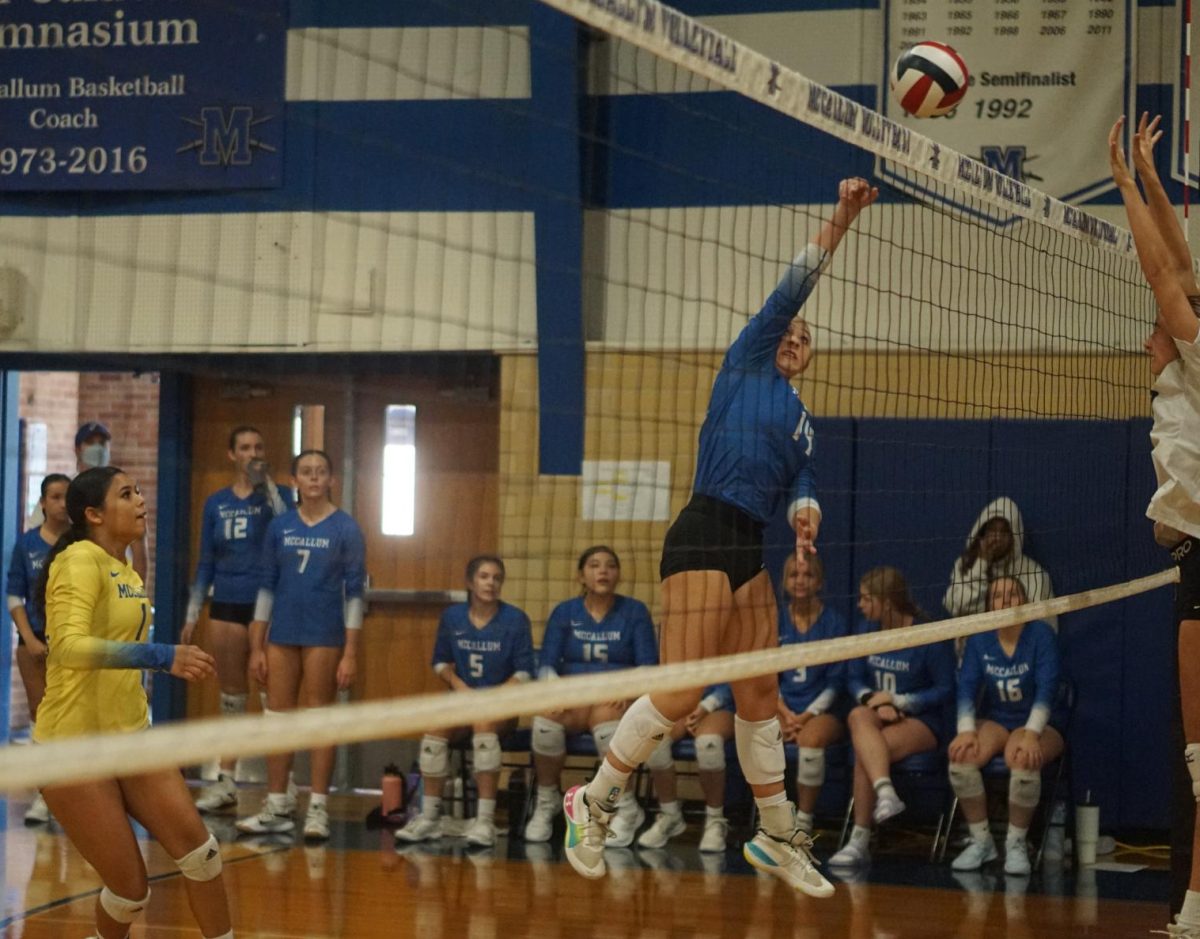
x=1175 y=362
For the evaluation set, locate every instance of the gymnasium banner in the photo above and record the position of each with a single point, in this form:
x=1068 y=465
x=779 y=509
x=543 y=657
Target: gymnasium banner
x=1039 y=69
x=186 y=94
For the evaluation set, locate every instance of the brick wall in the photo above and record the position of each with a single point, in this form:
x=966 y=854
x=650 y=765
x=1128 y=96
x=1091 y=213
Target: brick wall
x=52 y=398
x=127 y=404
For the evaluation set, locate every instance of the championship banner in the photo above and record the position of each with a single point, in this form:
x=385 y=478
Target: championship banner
x=158 y=94
x=1039 y=69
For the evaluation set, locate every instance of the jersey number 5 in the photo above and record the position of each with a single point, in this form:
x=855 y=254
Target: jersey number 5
x=475 y=665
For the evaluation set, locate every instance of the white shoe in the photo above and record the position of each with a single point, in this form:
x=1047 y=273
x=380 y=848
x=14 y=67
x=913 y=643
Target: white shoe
x=790 y=859
x=265 y=822
x=219 y=795
x=316 y=823
x=1016 y=859
x=1178 y=930
x=887 y=806
x=713 y=839
x=38 y=812
x=625 y=822
x=975 y=855
x=852 y=855
x=420 y=828
x=665 y=828
x=481 y=833
x=540 y=826
x=587 y=833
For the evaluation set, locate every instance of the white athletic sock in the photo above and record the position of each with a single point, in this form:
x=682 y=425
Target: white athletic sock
x=547 y=795
x=714 y=811
x=804 y=820
x=883 y=786
x=486 y=810
x=860 y=837
x=431 y=807
x=607 y=785
x=776 y=812
x=979 y=831
x=318 y=799
x=277 y=803
x=1016 y=834
x=1190 y=913
x=671 y=808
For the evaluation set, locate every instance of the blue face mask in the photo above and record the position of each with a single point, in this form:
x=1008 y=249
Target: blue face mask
x=94 y=454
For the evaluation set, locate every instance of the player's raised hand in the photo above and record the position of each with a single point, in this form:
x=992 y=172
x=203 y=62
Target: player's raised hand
x=1148 y=134
x=1117 y=164
x=855 y=193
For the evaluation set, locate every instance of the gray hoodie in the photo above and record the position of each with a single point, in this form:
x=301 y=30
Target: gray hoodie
x=967 y=592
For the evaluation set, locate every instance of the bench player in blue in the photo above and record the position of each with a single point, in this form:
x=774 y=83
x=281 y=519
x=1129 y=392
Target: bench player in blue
x=482 y=643
x=807 y=695
x=902 y=700
x=755 y=458
x=233 y=527
x=599 y=630
x=28 y=560
x=1013 y=674
x=305 y=634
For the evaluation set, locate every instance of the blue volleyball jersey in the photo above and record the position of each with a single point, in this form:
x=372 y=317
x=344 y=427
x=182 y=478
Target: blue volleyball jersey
x=231 y=542
x=488 y=656
x=756 y=443
x=312 y=570
x=1014 y=691
x=28 y=560
x=920 y=680
x=814 y=687
x=575 y=643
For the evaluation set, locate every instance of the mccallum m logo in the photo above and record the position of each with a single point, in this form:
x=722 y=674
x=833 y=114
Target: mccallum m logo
x=1010 y=161
x=226 y=136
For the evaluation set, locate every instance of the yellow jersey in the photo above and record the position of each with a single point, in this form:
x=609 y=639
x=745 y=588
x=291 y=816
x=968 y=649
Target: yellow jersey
x=97 y=620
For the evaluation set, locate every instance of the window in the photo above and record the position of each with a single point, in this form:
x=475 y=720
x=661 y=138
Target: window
x=399 y=469
x=308 y=428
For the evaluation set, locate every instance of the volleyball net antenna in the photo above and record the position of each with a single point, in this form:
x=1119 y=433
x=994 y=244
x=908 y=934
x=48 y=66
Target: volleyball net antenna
x=975 y=337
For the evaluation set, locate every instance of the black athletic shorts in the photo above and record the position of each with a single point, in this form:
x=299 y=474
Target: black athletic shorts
x=711 y=535
x=242 y=613
x=1186 y=555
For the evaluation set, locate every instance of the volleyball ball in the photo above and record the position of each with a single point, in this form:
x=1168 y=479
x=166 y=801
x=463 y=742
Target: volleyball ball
x=929 y=79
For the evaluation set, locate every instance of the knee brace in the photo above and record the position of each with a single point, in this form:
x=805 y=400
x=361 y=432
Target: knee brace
x=120 y=909
x=640 y=731
x=966 y=780
x=549 y=737
x=203 y=864
x=810 y=771
x=1191 y=753
x=710 y=753
x=760 y=750
x=1025 y=788
x=233 y=703
x=603 y=734
x=660 y=757
x=486 y=749
x=435 y=756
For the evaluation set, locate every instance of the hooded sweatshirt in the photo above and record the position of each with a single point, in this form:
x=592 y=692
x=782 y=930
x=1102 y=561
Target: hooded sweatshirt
x=968 y=588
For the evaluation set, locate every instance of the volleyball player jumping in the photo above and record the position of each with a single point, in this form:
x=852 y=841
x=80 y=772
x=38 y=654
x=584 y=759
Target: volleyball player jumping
x=756 y=448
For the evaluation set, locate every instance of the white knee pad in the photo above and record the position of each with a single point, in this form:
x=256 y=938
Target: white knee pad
x=760 y=750
x=710 y=753
x=435 y=756
x=486 y=748
x=204 y=863
x=549 y=737
x=603 y=734
x=810 y=771
x=660 y=757
x=640 y=731
x=120 y=909
x=1025 y=788
x=233 y=703
x=966 y=780
x=1191 y=753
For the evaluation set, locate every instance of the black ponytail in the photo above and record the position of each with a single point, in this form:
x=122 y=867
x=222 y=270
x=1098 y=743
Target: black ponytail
x=88 y=490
